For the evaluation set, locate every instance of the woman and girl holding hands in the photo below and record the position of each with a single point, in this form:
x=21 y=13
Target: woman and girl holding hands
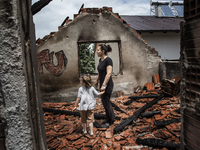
x=86 y=91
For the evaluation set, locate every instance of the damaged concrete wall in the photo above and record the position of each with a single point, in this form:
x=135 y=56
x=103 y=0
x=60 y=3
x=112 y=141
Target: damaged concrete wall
x=21 y=110
x=139 y=62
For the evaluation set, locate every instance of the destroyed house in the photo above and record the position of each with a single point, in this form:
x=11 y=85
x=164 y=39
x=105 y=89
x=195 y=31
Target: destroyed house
x=22 y=118
x=58 y=53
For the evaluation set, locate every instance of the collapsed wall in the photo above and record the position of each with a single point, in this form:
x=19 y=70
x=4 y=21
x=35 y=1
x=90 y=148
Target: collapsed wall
x=138 y=61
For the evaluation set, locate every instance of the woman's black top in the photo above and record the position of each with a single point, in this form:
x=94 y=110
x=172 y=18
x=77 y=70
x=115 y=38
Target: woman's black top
x=102 y=69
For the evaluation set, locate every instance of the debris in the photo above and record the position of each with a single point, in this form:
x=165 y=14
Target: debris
x=178 y=110
x=117 y=108
x=97 y=125
x=137 y=89
x=37 y=6
x=150 y=114
x=166 y=122
x=144 y=96
x=75 y=113
x=136 y=114
x=146 y=114
x=133 y=98
x=171 y=87
x=64 y=21
x=158 y=143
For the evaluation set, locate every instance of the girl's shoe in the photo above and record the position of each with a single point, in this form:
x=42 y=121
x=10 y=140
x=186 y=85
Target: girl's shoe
x=84 y=131
x=91 y=134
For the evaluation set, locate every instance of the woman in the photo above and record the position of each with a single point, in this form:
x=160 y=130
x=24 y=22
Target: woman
x=106 y=83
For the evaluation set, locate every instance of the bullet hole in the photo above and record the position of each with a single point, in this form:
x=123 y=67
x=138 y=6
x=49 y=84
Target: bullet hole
x=67 y=37
x=94 y=20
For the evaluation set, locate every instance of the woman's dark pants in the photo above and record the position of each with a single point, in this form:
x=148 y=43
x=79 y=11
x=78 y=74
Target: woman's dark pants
x=105 y=98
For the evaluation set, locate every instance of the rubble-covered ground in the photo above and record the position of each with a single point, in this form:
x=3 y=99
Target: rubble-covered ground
x=64 y=132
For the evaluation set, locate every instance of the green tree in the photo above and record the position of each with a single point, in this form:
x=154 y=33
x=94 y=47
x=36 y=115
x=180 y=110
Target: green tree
x=87 y=61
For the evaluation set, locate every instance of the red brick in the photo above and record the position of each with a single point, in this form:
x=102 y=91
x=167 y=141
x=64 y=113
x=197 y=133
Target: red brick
x=85 y=148
x=119 y=137
x=156 y=78
x=71 y=148
x=75 y=15
x=79 y=141
x=59 y=27
x=92 y=142
x=104 y=147
x=149 y=86
x=122 y=142
x=108 y=134
x=83 y=10
x=104 y=140
x=73 y=137
x=67 y=21
x=71 y=131
x=78 y=146
x=58 y=127
x=115 y=15
x=163 y=102
x=116 y=145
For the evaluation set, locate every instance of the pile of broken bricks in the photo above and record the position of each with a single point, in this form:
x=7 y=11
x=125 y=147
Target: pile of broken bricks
x=148 y=119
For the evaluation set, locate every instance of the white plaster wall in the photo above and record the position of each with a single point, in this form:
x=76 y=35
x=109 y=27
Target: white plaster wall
x=167 y=44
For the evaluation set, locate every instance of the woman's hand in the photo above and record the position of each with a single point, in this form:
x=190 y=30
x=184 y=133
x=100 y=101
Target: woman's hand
x=103 y=88
x=96 y=84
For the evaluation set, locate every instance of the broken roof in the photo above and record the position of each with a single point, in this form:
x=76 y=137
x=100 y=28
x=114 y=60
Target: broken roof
x=152 y=23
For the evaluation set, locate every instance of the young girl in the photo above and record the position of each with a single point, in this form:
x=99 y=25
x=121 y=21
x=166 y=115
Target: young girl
x=87 y=102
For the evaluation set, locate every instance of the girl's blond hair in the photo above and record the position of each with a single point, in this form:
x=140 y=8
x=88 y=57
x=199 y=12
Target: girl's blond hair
x=87 y=80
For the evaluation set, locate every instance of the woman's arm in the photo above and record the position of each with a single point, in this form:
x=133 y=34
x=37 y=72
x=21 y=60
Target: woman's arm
x=96 y=82
x=107 y=77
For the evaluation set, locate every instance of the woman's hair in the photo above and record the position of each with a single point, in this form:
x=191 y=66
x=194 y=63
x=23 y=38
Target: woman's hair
x=106 y=48
x=87 y=80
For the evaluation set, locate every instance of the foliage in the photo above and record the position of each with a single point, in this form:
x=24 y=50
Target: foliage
x=87 y=61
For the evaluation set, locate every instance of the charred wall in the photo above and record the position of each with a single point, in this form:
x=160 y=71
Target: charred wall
x=190 y=64
x=169 y=69
x=20 y=100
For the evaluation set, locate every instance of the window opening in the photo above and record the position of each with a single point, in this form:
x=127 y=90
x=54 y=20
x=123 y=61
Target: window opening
x=88 y=59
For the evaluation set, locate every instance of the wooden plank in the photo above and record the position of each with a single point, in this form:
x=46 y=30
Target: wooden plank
x=194 y=130
x=189 y=145
x=195 y=140
x=192 y=117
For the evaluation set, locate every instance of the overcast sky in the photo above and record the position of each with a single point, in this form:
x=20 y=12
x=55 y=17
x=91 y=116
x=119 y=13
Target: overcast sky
x=51 y=16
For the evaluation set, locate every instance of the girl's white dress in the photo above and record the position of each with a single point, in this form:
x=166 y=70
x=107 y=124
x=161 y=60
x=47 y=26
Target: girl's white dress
x=88 y=101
